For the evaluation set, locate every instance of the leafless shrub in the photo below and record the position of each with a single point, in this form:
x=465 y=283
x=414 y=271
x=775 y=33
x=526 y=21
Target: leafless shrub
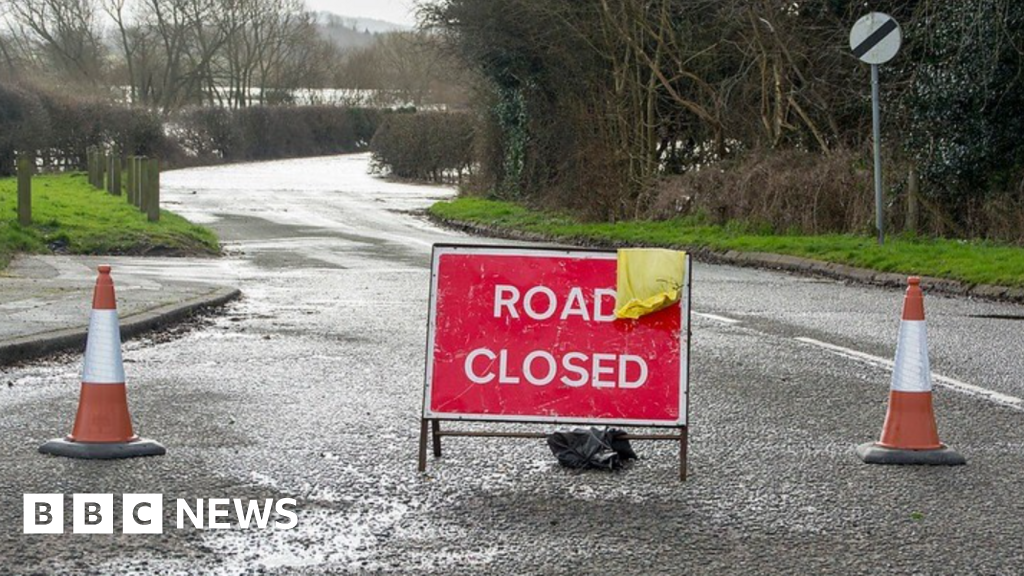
x=786 y=191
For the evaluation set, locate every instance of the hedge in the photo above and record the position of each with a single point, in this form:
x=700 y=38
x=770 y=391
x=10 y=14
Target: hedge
x=427 y=146
x=59 y=129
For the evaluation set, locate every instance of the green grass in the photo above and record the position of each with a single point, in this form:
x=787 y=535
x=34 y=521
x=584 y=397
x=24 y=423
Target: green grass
x=67 y=211
x=974 y=262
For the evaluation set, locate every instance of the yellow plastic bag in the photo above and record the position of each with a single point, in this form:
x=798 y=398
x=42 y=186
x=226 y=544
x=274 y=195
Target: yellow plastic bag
x=649 y=279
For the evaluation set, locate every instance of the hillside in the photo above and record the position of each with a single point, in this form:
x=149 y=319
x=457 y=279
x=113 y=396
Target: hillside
x=350 y=33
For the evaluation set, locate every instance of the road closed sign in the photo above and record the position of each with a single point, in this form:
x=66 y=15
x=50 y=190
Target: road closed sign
x=530 y=335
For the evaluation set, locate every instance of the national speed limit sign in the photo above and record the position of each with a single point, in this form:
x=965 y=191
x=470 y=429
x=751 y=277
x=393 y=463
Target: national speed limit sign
x=875 y=38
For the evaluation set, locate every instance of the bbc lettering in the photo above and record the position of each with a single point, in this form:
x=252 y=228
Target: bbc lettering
x=144 y=513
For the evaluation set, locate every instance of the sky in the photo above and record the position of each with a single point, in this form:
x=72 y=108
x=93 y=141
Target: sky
x=397 y=11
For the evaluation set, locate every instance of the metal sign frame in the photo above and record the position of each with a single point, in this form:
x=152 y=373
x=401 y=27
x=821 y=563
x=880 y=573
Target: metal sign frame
x=430 y=421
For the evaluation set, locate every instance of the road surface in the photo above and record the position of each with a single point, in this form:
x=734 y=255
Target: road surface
x=311 y=387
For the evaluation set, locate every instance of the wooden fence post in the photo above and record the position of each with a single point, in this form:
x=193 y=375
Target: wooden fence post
x=24 y=189
x=129 y=166
x=95 y=174
x=153 y=202
x=135 y=178
x=134 y=199
x=114 y=176
x=89 y=169
x=101 y=168
x=141 y=180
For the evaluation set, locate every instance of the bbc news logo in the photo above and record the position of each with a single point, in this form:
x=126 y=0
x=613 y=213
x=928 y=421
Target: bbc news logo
x=144 y=513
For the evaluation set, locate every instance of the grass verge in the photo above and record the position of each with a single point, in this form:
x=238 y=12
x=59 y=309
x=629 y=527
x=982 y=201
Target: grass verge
x=71 y=216
x=973 y=262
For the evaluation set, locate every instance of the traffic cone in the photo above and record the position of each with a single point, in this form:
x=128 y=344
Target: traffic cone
x=909 y=435
x=103 y=427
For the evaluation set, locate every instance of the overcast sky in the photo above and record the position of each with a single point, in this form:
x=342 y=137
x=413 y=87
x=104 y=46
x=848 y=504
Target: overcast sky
x=397 y=11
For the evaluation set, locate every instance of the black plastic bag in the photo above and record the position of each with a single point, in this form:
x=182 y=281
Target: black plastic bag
x=591 y=448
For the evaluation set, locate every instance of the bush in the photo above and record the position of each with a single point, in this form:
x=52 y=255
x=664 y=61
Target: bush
x=24 y=125
x=784 y=191
x=965 y=102
x=78 y=124
x=428 y=146
x=207 y=134
x=804 y=192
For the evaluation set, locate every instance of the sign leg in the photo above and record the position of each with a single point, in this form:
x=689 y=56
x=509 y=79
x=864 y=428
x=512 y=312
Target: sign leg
x=435 y=430
x=684 y=434
x=422 y=467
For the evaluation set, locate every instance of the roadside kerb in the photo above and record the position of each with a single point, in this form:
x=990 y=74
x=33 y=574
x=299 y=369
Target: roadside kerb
x=38 y=345
x=788 y=263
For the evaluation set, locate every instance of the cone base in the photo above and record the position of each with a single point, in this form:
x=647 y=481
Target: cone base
x=872 y=453
x=102 y=450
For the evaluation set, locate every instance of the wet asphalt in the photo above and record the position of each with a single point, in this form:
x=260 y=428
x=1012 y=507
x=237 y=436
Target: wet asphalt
x=311 y=386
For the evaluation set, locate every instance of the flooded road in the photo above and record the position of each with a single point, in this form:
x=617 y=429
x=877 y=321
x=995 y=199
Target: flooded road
x=310 y=388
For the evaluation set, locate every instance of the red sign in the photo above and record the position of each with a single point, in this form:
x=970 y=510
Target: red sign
x=530 y=335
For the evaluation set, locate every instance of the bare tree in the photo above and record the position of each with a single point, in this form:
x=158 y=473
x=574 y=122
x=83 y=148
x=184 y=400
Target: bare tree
x=65 y=33
x=173 y=53
x=116 y=10
x=406 y=68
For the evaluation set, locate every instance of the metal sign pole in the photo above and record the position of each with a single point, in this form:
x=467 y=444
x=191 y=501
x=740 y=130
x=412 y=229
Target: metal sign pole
x=876 y=121
x=875 y=39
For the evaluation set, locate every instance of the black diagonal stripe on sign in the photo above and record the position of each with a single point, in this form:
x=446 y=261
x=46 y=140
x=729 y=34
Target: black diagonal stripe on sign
x=875 y=37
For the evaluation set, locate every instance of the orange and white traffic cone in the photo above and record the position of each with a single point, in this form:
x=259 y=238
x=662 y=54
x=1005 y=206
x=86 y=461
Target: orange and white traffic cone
x=103 y=427
x=909 y=435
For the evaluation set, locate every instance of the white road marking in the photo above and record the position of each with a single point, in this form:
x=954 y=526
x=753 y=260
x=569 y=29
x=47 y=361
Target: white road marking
x=716 y=318
x=945 y=381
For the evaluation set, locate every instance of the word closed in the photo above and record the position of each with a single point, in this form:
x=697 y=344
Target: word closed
x=531 y=335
